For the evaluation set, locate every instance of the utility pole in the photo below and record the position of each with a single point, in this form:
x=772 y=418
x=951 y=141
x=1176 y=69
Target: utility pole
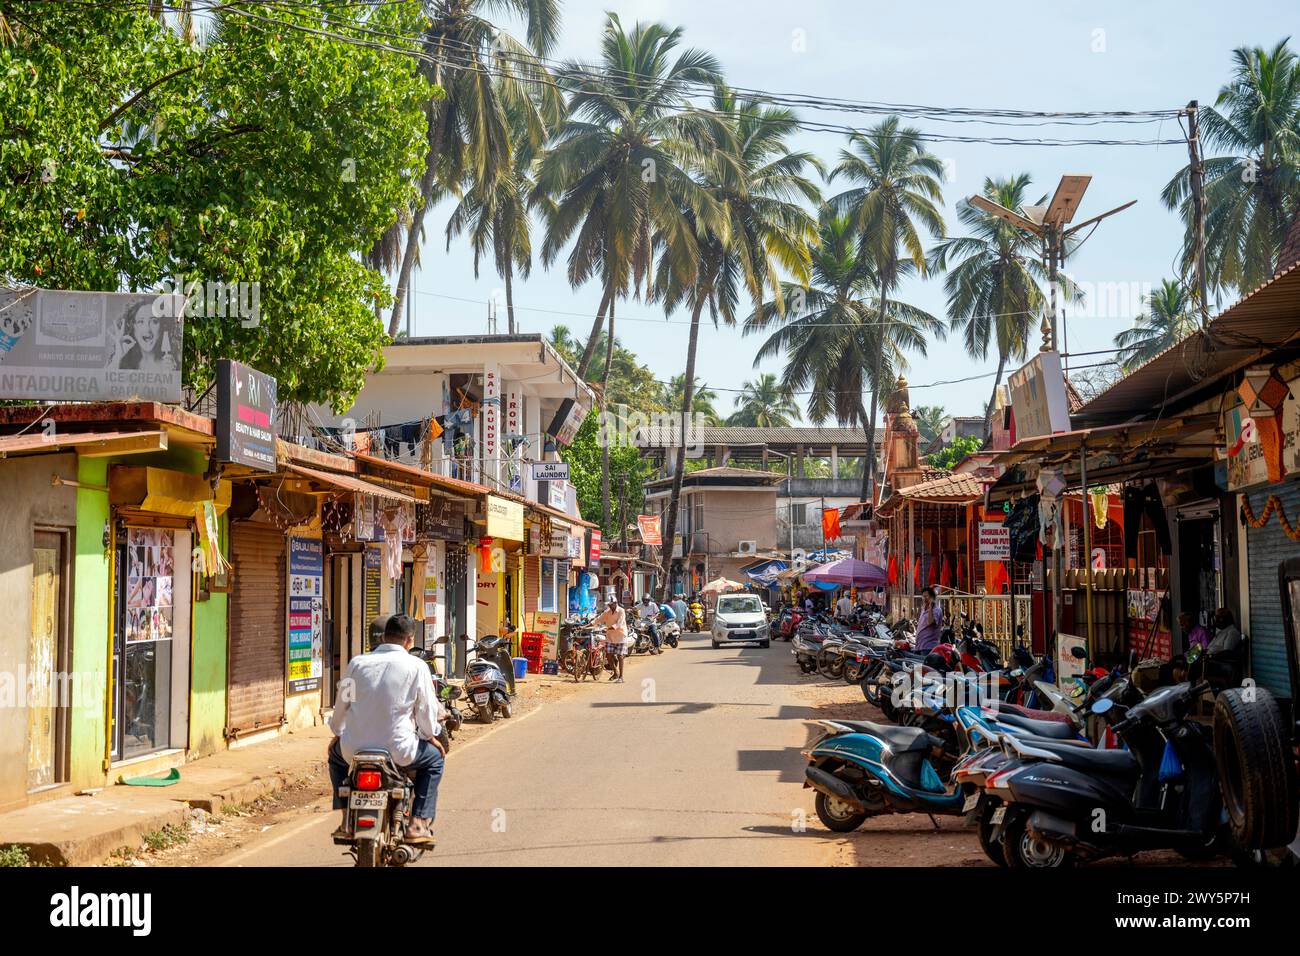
x=1197 y=172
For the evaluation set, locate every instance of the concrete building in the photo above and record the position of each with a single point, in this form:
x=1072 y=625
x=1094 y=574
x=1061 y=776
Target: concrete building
x=726 y=519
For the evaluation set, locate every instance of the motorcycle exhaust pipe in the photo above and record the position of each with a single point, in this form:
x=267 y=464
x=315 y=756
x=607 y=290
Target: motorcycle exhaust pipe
x=832 y=786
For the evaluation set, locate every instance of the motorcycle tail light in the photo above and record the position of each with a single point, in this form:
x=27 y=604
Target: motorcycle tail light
x=369 y=780
x=365 y=822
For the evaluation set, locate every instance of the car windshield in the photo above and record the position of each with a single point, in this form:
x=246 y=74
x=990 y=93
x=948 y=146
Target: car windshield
x=740 y=605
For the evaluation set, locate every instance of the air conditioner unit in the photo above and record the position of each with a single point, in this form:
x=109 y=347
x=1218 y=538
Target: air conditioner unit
x=748 y=547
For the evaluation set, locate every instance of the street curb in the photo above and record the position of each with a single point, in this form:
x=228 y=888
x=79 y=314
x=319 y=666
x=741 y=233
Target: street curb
x=95 y=849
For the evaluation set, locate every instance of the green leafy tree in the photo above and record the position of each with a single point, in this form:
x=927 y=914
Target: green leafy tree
x=1252 y=190
x=1169 y=318
x=266 y=154
x=894 y=189
x=950 y=454
x=627 y=470
x=764 y=403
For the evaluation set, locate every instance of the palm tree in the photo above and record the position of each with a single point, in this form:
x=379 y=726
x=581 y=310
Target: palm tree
x=490 y=85
x=1169 y=319
x=929 y=420
x=561 y=339
x=617 y=167
x=993 y=293
x=703 y=399
x=764 y=403
x=496 y=215
x=756 y=185
x=895 y=186
x=1252 y=192
x=832 y=340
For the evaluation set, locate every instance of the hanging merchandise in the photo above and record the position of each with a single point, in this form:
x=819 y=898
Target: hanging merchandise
x=393 y=554
x=1100 y=505
x=1022 y=528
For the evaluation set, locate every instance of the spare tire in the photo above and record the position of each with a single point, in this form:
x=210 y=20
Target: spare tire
x=1257 y=774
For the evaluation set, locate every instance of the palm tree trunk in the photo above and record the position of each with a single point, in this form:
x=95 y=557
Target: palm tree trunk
x=605 y=507
x=417 y=220
x=589 y=350
x=866 y=484
x=988 y=414
x=510 y=299
x=869 y=472
x=679 y=466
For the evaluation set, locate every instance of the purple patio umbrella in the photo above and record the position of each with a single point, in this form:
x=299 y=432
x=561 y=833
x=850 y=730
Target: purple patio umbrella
x=850 y=572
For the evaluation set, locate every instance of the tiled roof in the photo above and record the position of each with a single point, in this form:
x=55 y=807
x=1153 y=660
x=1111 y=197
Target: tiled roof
x=958 y=487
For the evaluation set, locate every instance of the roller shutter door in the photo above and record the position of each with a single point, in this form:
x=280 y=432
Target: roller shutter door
x=257 y=627
x=532 y=584
x=1266 y=548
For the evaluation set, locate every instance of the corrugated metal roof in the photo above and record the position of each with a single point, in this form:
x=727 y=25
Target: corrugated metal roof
x=737 y=435
x=1262 y=321
x=724 y=472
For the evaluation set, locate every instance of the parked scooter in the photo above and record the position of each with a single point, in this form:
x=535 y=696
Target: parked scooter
x=446 y=693
x=486 y=686
x=1063 y=804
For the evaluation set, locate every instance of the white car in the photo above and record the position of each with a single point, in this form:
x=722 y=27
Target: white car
x=740 y=618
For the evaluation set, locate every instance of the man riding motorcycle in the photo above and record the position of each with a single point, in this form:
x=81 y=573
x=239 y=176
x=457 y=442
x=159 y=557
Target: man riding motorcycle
x=386 y=701
x=648 y=612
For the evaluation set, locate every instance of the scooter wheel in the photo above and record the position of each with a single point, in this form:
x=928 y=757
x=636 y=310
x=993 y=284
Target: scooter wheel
x=507 y=711
x=485 y=714
x=837 y=815
x=1023 y=851
x=992 y=848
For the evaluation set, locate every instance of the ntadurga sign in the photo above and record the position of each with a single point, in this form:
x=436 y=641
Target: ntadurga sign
x=90 y=346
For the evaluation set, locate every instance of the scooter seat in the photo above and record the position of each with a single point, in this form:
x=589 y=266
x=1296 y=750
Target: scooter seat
x=900 y=739
x=1110 y=763
x=1051 y=729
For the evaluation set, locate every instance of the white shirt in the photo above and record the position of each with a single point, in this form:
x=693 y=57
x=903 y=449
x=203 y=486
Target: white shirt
x=845 y=605
x=386 y=701
x=615 y=624
x=647 y=612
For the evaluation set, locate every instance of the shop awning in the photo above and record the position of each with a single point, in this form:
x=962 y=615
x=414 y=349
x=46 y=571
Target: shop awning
x=177 y=493
x=348 y=483
x=87 y=444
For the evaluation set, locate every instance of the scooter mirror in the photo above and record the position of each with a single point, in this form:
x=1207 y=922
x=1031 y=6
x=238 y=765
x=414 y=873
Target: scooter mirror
x=1078 y=653
x=1103 y=705
x=442 y=640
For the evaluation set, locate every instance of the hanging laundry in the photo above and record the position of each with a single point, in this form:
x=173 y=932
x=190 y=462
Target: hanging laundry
x=1100 y=506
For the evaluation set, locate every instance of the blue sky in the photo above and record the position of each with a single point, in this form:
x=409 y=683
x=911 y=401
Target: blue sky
x=1017 y=55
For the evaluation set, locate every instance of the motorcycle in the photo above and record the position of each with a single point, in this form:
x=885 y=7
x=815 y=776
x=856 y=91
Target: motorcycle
x=486 y=687
x=446 y=693
x=695 y=617
x=1060 y=805
x=379 y=796
x=670 y=632
x=643 y=643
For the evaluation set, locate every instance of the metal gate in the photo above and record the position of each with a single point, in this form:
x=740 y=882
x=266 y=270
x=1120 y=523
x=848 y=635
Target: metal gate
x=255 y=699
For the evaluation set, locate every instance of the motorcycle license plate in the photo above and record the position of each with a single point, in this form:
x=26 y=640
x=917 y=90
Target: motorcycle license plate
x=998 y=815
x=368 y=801
x=481 y=697
x=971 y=802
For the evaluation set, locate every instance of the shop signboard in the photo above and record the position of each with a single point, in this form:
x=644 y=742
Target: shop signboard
x=550 y=470
x=1067 y=665
x=649 y=528
x=593 y=548
x=1038 y=399
x=372 y=574
x=994 y=541
x=568 y=419
x=440 y=519
x=246 y=410
x=57 y=345
x=505 y=518
x=306 y=614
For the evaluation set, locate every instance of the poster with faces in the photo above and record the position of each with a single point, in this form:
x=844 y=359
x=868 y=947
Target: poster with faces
x=150 y=580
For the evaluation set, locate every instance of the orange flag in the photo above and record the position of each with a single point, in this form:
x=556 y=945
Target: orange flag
x=830 y=523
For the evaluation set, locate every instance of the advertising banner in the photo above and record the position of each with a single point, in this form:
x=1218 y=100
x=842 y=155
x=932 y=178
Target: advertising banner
x=90 y=346
x=505 y=518
x=649 y=527
x=246 y=409
x=994 y=541
x=306 y=614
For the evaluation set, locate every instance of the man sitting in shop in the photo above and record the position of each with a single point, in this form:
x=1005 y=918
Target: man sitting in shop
x=1221 y=664
x=386 y=701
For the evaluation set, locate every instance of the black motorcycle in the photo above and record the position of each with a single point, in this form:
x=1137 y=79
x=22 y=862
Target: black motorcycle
x=1063 y=803
x=446 y=693
x=487 y=688
x=379 y=796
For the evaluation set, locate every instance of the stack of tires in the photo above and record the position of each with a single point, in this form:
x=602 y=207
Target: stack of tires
x=1257 y=774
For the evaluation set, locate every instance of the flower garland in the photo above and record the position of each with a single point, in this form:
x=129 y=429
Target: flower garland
x=1273 y=504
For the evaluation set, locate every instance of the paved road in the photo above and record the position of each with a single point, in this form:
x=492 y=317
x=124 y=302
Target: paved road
x=693 y=761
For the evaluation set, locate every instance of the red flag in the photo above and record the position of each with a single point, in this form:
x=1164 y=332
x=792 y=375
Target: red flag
x=1001 y=581
x=934 y=571
x=893 y=569
x=916 y=573
x=945 y=577
x=1038 y=554
x=831 y=523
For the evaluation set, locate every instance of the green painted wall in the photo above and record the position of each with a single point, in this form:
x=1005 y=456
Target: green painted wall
x=92 y=631
x=90 y=627
x=208 y=668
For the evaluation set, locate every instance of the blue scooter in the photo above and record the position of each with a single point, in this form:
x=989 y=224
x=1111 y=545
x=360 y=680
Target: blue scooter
x=862 y=769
